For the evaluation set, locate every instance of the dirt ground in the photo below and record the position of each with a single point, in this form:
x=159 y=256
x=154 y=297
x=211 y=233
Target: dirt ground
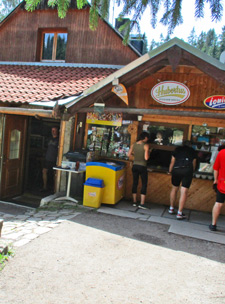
x=98 y=258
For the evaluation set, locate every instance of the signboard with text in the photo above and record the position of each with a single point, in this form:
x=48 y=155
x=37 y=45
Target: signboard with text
x=216 y=102
x=108 y=119
x=170 y=92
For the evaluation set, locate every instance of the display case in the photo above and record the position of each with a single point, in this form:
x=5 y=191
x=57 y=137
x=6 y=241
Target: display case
x=109 y=141
x=206 y=141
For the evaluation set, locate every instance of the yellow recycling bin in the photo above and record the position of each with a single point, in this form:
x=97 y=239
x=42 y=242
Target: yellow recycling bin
x=93 y=191
x=113 y=175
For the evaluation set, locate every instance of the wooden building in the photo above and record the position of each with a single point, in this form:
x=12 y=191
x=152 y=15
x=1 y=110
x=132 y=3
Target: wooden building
x=48 y=61
x=175 y=90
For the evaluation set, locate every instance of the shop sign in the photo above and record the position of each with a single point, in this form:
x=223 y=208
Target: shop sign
x=216 y=102
x=170 y=92
x=108 y=119
x=121 y=92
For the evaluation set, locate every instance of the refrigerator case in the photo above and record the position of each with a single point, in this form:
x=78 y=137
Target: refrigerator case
x=113 y=175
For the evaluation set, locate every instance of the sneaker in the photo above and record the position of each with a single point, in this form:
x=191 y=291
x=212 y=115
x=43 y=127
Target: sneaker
x=142 y=207
x=135 y=204
x=181 y=216
x=171 y=210
x=212 y=227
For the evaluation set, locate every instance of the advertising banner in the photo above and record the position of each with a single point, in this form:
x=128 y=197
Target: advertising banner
x=108 y=119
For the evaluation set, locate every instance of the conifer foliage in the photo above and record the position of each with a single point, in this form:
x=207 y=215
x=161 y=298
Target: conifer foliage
x=172 y=16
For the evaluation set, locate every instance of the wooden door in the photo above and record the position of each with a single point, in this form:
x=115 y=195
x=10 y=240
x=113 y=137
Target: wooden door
x=13 y=155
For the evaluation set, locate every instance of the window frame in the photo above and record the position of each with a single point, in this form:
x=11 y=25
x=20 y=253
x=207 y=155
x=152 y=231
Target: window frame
x=55 y=32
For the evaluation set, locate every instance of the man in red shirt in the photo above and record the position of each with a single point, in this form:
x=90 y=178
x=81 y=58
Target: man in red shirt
x=219 y=180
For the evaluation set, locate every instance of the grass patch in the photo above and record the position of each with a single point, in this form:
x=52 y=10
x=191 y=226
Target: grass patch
x=4 y=257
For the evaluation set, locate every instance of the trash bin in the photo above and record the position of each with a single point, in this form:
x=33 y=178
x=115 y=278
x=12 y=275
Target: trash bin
x=113 y=175
x=93 y=191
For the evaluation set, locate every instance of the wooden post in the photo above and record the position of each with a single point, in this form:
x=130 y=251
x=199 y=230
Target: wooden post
x=60 y=154
x=1 y=224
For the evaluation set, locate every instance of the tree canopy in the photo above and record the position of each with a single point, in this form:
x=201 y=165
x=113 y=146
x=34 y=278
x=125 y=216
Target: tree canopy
x=171 y=18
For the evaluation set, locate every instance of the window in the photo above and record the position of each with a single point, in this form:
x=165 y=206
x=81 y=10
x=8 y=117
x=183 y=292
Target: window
x=54 y=46
x=14 y=151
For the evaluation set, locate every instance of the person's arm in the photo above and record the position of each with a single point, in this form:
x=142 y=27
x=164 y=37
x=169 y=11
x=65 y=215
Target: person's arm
x=146 y=148
x=215 y=173
x=171 y=164
x=130 y=152
x=194 y=163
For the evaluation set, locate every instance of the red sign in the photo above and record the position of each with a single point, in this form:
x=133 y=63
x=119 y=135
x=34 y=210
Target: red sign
x=216 y=102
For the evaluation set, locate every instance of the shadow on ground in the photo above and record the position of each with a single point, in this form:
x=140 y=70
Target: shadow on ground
x=152 y=233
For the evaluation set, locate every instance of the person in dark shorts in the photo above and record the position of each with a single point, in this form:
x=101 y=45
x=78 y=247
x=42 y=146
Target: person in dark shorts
x=182 y=166
x=219 y=184
x=50 y=159
x=140 y=151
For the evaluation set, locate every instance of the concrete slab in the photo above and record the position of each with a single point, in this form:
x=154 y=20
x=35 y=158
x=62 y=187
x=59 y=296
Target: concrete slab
x=201 y=232
x=122 y=213
x=47 y=199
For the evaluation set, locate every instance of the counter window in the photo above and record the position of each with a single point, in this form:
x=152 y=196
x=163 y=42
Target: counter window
x=206 y=140
x=163 y=140
x=166 y=134
x=109 y=141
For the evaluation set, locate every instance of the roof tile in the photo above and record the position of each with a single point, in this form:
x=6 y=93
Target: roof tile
x=26 y=83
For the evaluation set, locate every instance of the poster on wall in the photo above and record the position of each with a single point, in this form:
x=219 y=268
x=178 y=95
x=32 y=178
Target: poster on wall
x=170 y=93
x=216 y=102
x=108 y=119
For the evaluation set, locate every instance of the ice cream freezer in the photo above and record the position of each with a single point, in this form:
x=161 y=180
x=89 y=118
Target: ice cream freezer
x=113 y=175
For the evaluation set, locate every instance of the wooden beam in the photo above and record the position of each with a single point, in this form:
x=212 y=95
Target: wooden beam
x=60 y=154
x=160 y=112
x=27 y=112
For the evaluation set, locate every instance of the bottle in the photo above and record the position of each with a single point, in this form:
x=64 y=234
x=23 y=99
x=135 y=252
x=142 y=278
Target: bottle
x=77 y=165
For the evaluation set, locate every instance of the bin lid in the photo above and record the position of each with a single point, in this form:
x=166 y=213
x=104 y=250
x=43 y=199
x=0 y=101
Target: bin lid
x=94 y=182
x=116 y=166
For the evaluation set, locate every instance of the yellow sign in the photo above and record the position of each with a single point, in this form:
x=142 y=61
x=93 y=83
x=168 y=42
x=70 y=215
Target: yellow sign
x=108 y=119
x=121 y=91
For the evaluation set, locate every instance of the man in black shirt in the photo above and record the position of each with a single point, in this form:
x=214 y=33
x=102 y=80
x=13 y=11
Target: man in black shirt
x=182 y=166
x=50 y=158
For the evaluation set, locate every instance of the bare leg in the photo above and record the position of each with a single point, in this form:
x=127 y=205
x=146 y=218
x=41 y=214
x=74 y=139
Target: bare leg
x=173 y=195
x=183 y=198
x=45 y=177
x=134 y=198
x=143 y=199
x=216 y=212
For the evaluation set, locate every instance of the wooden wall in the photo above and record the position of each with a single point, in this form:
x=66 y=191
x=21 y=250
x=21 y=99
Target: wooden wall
x=201 y=196
x=200 y=85
x=19 y=35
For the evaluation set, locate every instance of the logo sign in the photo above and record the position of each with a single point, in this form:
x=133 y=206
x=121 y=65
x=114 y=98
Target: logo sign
x=216 y=102
x=170 y=93
x=120 y=182
x=121 y=91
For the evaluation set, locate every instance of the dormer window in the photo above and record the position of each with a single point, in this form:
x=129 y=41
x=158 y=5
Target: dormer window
x=53 y=45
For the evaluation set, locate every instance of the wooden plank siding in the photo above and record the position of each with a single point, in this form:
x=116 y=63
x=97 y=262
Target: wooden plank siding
x=201 y=196
x=19 y=36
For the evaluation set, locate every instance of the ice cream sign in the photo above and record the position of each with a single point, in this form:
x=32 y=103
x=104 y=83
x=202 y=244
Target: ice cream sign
x=170 y=92
x=216 y=102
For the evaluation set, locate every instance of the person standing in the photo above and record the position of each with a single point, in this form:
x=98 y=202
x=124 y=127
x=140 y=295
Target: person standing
x=50 y=159
x=140 y=151
x=182 y=166
x=219 y=183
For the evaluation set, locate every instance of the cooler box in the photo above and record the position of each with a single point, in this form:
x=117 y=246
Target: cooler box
x=93 y=191
x=113 y=175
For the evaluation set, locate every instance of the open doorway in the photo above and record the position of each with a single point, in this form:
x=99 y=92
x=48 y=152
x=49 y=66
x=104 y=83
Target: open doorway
x=39 y=134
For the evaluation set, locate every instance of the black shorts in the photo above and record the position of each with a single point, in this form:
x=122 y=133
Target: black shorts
x=183 y=175
x=49 y=165
x=220 y=197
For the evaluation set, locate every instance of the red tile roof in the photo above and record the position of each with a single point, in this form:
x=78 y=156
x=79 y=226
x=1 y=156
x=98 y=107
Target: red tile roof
x=27 y=83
